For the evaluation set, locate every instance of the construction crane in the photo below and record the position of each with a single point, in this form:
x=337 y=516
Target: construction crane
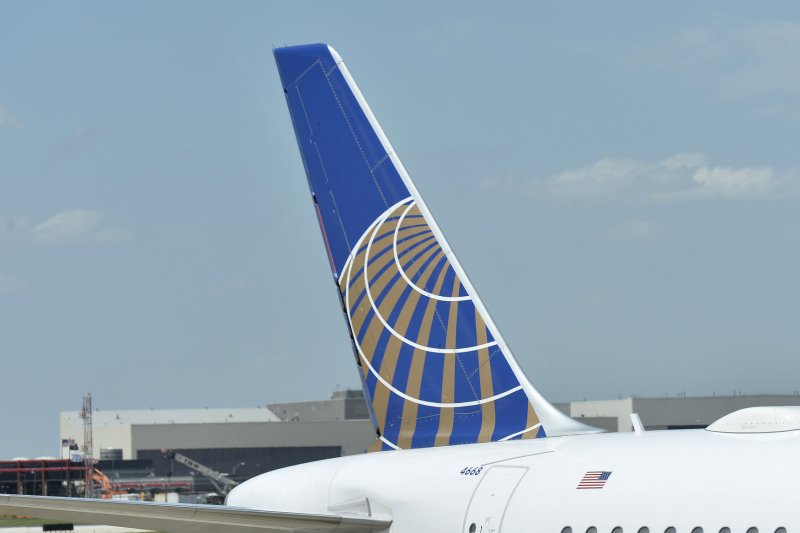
x=221 y=481
x=88 y=451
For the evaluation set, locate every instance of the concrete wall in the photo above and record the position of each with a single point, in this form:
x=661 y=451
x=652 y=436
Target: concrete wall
x=618 y=409
x=665 y=413
x=111 y=436
x=661 y=413
x=564 y=407
x=239 y=463
x=354 y=436
x=342 y=405
x=608 y=423
x=315 y=411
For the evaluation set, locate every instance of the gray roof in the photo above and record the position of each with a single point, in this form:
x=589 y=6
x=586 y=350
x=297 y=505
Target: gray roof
x=106 y=418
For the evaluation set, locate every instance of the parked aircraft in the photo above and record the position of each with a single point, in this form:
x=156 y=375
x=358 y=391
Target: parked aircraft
x=464 y=441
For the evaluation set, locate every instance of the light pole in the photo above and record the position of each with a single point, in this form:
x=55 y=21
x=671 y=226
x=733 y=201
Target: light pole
x=235 y=468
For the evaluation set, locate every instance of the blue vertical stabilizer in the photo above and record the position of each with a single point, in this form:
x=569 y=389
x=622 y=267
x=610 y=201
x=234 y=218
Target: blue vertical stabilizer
x=434 y=367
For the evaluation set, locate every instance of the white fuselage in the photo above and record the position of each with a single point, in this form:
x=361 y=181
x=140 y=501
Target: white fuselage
x=661 y=479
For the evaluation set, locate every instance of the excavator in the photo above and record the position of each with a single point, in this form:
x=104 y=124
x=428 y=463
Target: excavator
x=102 y=481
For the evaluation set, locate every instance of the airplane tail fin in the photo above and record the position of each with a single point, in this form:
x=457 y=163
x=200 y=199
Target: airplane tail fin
x=434 y=367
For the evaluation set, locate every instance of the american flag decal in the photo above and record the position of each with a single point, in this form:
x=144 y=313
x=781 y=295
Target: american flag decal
x=596 y=479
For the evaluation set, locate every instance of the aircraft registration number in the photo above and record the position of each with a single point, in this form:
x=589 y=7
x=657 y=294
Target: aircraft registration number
x=471 y=470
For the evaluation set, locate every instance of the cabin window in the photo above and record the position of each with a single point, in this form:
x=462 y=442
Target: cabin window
x=591 y=529
x=752 y=530
x=698 y=529
x=616 y=530
x=644 y=529
x=567 y=529
x=725 y=530
x=780 y=530
x=670 y=529
x=472 y=527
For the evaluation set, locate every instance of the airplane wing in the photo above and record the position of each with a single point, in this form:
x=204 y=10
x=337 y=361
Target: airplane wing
x=181 y=518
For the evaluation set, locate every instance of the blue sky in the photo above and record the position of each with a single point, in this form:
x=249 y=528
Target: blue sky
x=620 y=181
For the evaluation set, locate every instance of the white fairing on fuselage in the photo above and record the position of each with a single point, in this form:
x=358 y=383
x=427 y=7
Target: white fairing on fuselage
x=661 y=479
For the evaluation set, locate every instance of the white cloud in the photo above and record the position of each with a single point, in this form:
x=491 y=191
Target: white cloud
x=682 y=177
x=7 y=119
x=748 y=181
x=78 y=225
x=686 y=160
x=603 y=177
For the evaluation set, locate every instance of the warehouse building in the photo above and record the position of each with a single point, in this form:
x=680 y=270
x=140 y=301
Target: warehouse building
x=683 y=412
x=242 y=442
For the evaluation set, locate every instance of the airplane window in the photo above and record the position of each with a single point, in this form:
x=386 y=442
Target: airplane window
x=780 y=530
x=698 y=529
x=472 y=527
x=616 y=530
x=752 y=530
x=670 y=529
x=725 y=530
x=568 y=529
x=591 y=529
x=644 y=529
